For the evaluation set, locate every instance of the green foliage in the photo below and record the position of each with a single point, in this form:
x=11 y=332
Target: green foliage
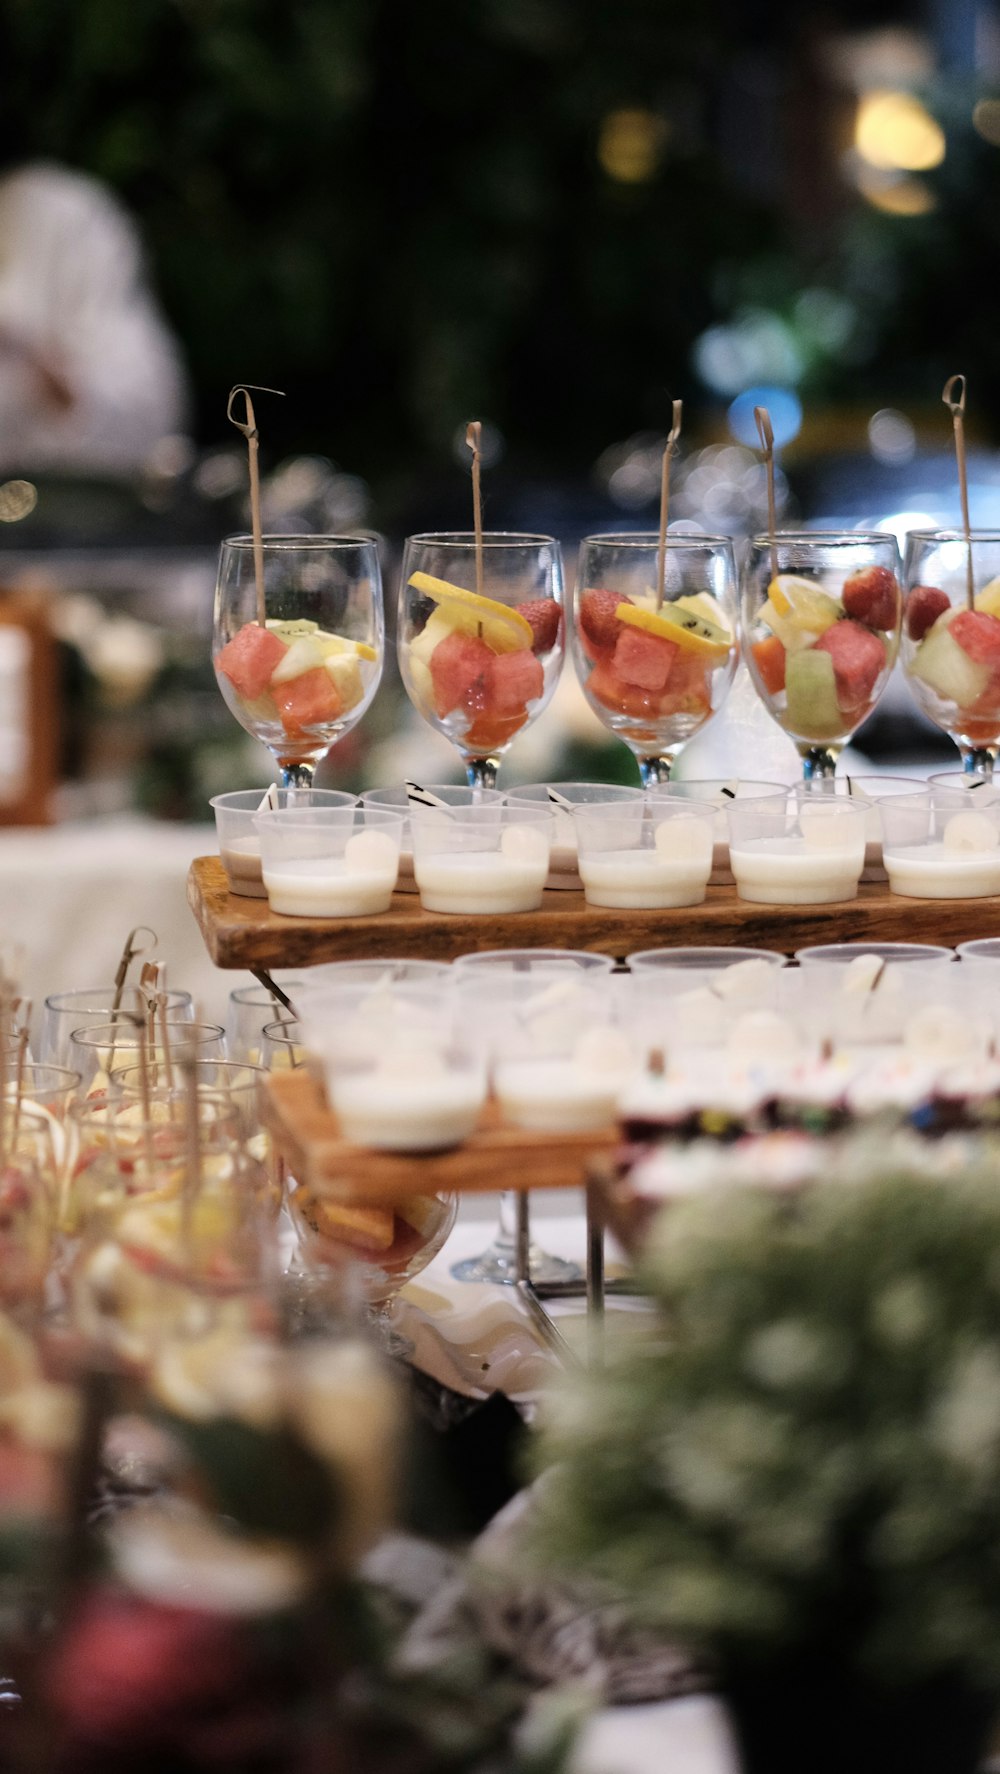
x=390 y=209
x=809 y=1452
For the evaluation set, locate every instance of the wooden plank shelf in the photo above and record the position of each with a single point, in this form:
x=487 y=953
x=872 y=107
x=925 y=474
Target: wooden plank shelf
x=308 y=1136
x=245 y=933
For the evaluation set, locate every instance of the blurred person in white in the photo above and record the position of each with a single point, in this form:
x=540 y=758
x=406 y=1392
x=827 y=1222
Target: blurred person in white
x=90 y=376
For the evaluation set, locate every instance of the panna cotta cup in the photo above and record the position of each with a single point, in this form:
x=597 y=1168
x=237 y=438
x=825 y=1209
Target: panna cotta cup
x=414 y=800
x=559 y=1055
x=966 y=782
x=483 y=861
x=239 y=841
x=563 y=797
x=797 y=848
x=644 y=854
x=331 y=862
x=401 y=1074
x=941 y=845
x=719 y=792
x=869 y=791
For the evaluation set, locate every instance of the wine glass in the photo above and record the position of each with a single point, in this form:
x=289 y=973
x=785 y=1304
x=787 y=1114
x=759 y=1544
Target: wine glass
x=302 y=675
x=820 y=617
x=481 y=664
x=655 y=672
x=951 y=638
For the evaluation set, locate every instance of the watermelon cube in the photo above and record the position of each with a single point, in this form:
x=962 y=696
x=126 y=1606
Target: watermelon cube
x=249 y=659
x=978 y=635
x=644 y=660
x=307 y=701
x=858 y=657
x=489 y=733
x=456 y=665
x=512 y=681
x=688 y=690
x=613 y=693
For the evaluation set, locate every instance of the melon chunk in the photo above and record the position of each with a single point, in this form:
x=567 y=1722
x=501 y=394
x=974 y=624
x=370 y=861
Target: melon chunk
x=457 y=664
x=946 y=668
x=811 y=688
x=249 y=659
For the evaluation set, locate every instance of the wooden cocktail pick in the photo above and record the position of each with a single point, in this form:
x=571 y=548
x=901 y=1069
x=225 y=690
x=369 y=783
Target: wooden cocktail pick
x=24 y=1006
x=248 y=426
x=473 y=439
x=668 y=452
x=765 y=431
x=192 y=1167
x=953 y=396
x=129 y=952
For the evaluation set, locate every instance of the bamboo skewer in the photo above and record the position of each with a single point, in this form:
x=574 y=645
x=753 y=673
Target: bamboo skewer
x=248 y=426
x=474 y=438
x=953 y=396
x=765 y=431
x=668 y=451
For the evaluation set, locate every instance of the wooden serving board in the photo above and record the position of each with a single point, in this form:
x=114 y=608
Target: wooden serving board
x=309 y=1139
x=246 y=933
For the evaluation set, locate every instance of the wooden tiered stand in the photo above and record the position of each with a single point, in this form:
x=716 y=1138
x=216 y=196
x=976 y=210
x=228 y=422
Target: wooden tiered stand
x=245 y=933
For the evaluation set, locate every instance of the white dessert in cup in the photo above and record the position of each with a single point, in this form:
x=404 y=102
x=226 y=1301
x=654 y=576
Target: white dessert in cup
x=963 y=863
x=357 y=884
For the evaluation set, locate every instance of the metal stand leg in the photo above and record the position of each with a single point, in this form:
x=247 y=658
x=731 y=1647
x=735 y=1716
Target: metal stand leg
x=525 y=1287
x=595 y=1278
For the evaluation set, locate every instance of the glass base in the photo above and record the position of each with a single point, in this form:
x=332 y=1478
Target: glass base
x=978 y=760
x=819 y=761
x=499 y=1264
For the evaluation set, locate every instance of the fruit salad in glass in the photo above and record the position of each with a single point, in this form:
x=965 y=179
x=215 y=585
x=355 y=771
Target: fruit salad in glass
x=655 y=670
x=305 y=675
x=820 y=620
x=951 y=639
x=480 y=665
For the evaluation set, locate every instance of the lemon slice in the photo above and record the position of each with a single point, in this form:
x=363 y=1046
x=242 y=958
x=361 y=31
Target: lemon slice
x=686 y=628
x=504 y=629
x=803 y=603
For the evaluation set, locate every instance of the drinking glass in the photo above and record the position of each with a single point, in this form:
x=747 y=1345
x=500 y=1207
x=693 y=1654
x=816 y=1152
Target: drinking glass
x=544 y=967
x=67 y=1011
x=951 y=638
x=305 y=678
x=820 y=618
x=100 y=1048
x=251 y=1008
x=481 y=662
x=655 y=674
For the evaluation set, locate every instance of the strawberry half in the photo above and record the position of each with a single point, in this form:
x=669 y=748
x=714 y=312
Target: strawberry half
x=545 y=618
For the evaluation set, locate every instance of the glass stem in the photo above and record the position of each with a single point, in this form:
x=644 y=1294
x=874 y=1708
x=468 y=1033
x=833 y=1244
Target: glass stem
x=654 y=771
x=296 y=775
x=481 y=772
x=819 y=761
x=978 y=761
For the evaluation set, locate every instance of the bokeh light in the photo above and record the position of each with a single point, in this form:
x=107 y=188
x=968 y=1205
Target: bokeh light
x=630 y=145
x=895 y=132
x=986 y=120
x=783 y=405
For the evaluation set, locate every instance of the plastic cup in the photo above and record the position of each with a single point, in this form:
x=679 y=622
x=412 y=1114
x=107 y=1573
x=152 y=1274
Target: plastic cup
x=483 y=861
x=559 y=1055
x=940 y=845
x=800 y=849
x=239 y=843
x=719 y=792
x=645 y=854
x=415 y=801
x=563 y=797
x=334 y=862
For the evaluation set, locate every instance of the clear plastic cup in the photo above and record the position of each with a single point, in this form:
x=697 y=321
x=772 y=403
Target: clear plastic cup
x=497 y=961
x=719 y=792
x=966 y=782
x=645 y=854
x=400 y=1074
x=559 y=1053
x=891 y=954
x=870 y=791
x=411 y=799
x=940 y=845
x=336 y=862
x=484 y=861
x=982 y=949
x=708 y=959
x=239 y=843
x=563 y=797
x=801 y=849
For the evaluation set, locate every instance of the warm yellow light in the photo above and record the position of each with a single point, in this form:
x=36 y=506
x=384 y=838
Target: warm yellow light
x=898 y=197
x=630 y=145
x=896 y=133
x=18 y=499
x=986 y=120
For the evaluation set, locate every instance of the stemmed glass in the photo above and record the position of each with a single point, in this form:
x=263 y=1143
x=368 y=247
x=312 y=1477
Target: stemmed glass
x=655 y=672
x=951 y=638
x=305 y=676
x=481 y=664
x=820 y=618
